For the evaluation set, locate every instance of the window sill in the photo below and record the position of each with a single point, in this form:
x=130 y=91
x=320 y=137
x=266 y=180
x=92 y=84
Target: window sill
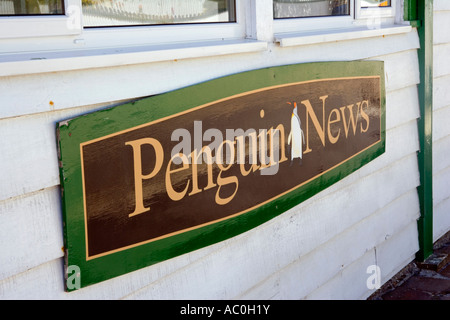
x=40 y=62
x=322 y=36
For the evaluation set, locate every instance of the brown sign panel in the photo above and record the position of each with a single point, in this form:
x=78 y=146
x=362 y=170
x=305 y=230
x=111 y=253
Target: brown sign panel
x=222 y=159
x=164 y=175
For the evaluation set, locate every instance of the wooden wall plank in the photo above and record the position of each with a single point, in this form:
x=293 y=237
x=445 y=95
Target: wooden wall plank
x=401 y=70
x=441 y=94
x=441 y=22
x=49 y=278
x=441 y=185
x=441 y=150
x=402 y=106
x=441 y=5
x=441 y=66
x=397 y=251
x=28 y=151
x=441 y=119
x=441 y=218
x=39 y=283
x=350 y=283
x=31 y=231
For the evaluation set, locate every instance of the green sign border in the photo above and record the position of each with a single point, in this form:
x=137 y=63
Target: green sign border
x=72 y=133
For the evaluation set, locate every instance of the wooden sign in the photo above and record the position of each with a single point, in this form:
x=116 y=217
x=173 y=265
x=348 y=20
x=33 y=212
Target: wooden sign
x=152 y=179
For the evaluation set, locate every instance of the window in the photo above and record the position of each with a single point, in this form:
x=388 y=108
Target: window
x=310 y=8
x=103 y=13
x=375 y=3
x=297 y=16
x=158 y=22
x=320 y=8
x=376 y=9
x=38 y=18
x=31 y=7
x=110 y=23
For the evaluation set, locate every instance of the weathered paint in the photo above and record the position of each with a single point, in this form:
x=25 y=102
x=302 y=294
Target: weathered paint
x=106 y=123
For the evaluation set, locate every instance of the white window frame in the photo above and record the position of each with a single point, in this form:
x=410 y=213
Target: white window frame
x=358 y=16
x=164 y=34
x=314 y=23
x=45 y=25
x=70 y=24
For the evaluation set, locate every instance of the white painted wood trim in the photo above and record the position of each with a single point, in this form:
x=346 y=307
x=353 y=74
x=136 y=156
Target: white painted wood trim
x=41 y=62
x=321 y=36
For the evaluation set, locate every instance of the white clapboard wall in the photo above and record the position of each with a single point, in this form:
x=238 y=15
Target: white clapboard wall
x=441 y=119
x=320 y=249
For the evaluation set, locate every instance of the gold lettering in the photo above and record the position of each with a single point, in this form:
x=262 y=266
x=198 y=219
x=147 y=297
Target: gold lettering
x=280 y=129
x=263 y=148
x=253 y=152
x=312 y=115
x=174 y=195
x=351 y=120
x=209 y=161
x=138 y=175
x=333 y=139
x=221 y=181
x=364 y=115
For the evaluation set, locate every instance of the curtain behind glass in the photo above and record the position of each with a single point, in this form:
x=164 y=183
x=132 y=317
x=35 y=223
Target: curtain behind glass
x=31 y=7
x=310 y=8
x=104 y=13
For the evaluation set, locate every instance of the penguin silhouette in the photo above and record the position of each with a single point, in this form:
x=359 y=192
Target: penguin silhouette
x=296 y=136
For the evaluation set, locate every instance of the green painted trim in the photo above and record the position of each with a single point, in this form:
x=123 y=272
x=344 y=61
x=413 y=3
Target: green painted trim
x=410 y=10
x=422 y=11
x=132 y=114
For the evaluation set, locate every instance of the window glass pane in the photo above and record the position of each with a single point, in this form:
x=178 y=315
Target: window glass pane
x=310 y=8
x=31 y=7
x=103 y=13
x=375 y=3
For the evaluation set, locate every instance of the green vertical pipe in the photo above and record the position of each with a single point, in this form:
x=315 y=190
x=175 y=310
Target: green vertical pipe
x=421 y=13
